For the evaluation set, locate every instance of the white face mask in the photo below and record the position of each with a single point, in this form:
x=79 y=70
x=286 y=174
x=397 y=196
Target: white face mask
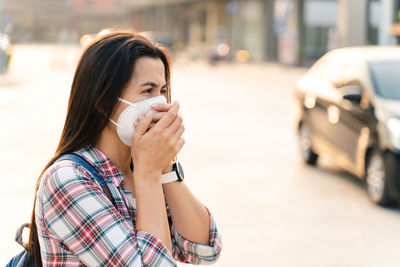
x=125 y=127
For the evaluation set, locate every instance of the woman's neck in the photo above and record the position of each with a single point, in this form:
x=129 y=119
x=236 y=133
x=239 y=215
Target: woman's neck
x=110 y=144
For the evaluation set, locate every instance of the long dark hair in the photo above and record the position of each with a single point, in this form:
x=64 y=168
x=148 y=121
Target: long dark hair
x=103 y=72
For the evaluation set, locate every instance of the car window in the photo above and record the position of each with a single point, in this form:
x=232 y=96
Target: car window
x=351 y=87
x=385 y=77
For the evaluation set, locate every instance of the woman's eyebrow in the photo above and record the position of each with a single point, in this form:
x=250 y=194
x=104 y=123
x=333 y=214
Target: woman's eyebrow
x=152 y=84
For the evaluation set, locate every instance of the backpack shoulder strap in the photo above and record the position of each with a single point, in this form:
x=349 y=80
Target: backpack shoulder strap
x=89 y=167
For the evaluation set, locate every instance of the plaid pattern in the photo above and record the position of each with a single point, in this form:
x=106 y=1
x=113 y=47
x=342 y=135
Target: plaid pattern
x=193 y=253
x=78 y=225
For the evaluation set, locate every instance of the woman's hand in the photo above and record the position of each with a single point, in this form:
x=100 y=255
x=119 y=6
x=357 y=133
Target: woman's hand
x=155 y=148
x=161 y=110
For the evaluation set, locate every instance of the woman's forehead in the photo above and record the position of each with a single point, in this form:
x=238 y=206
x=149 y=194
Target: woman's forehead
x=149 y=69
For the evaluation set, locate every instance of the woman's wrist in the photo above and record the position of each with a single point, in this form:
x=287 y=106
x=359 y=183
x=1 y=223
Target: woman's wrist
x=146 y=175
x=168 y=168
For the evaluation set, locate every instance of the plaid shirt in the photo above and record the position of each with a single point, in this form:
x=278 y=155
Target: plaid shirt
x=78 y=225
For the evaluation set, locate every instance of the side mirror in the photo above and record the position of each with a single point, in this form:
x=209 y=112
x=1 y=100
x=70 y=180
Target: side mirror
x=352 y=93
x=353 y=97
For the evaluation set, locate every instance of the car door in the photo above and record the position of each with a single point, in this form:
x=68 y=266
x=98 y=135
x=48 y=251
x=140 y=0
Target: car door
x=353 y=123
x=324 y=113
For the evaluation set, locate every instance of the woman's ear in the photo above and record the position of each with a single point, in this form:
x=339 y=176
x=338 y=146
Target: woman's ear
x=100 y=110
x=106 y=116
x=104 y=108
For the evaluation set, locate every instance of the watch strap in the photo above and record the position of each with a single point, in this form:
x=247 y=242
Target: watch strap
x=169 y=177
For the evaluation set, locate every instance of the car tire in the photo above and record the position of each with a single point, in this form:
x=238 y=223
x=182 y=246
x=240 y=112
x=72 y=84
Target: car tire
x=308 y=155
x=378 y=174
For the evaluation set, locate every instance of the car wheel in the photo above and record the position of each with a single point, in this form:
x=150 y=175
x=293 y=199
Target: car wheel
x=377 y=174
x=308 y=155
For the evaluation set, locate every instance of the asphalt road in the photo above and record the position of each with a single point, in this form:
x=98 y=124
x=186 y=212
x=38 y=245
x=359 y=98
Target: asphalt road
x=240 y=159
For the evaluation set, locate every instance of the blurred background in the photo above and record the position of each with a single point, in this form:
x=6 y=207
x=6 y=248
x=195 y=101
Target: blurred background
x=241 y=73
x=290 y=32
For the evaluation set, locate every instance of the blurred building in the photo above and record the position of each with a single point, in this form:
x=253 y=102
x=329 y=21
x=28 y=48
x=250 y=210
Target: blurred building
x=91 y=16
x=307 y=29
x=199 y=27
x=293 y=32
x=327 y=24
x=61 y=20
x=38 y=20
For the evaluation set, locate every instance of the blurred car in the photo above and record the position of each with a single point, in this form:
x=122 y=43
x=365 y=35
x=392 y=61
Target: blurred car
x=348 y=107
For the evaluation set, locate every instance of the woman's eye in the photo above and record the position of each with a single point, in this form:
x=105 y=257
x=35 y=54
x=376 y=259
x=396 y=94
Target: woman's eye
x=148 y=91
x=164 y=92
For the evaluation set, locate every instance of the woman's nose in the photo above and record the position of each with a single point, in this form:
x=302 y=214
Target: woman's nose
x=156 y=93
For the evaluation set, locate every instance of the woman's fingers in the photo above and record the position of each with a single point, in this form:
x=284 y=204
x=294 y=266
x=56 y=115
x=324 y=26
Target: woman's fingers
x=175 y=124
x=160 y=107
x=178 y=134
x=168 y=117
x=142 y=126
x=158 y=115
x=179 y=145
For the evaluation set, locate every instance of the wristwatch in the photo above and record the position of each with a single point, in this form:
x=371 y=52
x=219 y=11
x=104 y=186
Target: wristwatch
x=175 y=175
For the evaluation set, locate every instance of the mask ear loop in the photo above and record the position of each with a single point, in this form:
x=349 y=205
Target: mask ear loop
x=123 y=101
x=126 y=102
x=113 y=122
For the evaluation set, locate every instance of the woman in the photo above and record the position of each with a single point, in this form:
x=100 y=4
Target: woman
x=74 y=223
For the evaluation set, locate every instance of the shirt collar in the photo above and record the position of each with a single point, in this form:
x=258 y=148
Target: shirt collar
x=106 y=168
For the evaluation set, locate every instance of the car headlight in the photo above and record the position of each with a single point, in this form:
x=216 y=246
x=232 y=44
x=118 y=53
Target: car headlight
x=393 y=125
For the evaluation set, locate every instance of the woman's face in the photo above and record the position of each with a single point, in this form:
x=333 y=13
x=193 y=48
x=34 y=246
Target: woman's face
x=147 y=81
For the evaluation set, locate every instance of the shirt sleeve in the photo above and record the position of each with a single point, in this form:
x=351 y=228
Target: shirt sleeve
x=78 y=213
x=189 y=252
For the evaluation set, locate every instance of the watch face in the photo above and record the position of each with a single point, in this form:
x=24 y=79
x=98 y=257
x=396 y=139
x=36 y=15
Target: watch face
x=179 y=171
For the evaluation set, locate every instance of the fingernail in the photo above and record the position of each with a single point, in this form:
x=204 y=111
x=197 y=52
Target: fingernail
x=135 y=123
x=155 y=105
x=148 y=114
x=140 y=117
